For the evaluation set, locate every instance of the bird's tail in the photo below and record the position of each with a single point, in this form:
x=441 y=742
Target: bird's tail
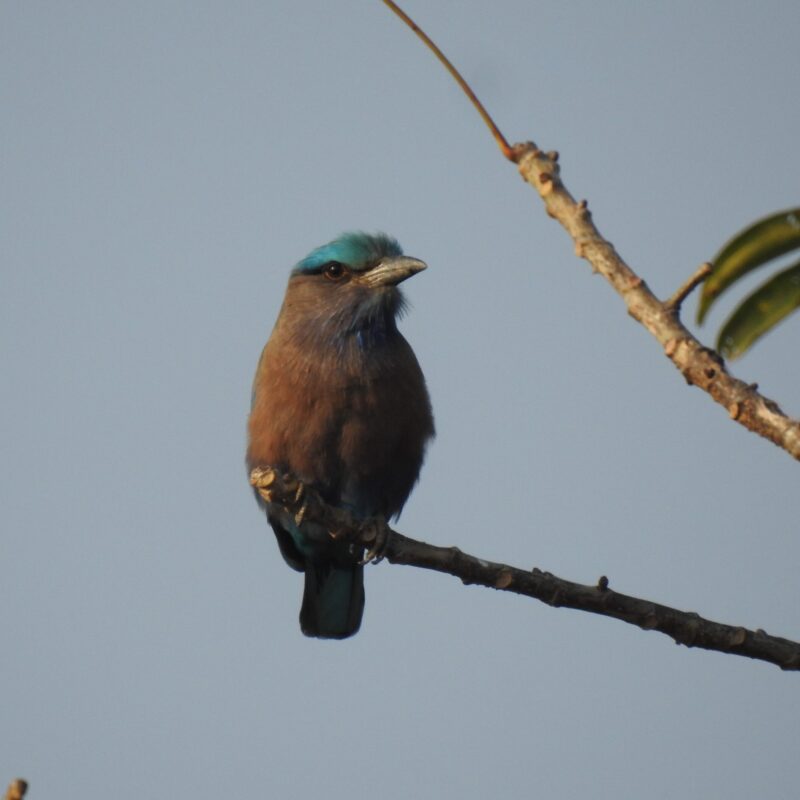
x=333 y=600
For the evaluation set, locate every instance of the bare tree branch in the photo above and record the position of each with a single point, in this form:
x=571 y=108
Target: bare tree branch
x=684 y=627
x=700 y=365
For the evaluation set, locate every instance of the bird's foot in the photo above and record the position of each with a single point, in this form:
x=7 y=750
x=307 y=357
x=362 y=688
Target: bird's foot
x=376 y=532
x=272 y=486
x=263 y=480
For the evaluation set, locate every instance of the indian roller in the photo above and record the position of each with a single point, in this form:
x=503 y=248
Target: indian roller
x=339 y=400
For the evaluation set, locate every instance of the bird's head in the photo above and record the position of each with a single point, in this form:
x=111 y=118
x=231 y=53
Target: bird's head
x=349 y=286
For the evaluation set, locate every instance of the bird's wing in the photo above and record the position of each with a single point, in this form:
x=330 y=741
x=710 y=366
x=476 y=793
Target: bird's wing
x=291 y=555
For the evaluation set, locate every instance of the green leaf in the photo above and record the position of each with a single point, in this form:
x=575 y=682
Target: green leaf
x=759 y=312
x=755 y=245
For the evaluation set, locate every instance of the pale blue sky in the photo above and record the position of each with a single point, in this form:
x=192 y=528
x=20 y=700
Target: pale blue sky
x=163 y=166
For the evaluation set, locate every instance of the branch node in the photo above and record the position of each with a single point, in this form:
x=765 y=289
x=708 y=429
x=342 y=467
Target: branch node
x=673 y=305
x=687 y=635
x=504 y=580
x=522 y=149
x=738 y=637
x=602 y=583
x=455 y=554
x=735 y=409
x=714 y=356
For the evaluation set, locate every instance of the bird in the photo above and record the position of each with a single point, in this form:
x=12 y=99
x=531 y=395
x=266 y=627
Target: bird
x=340 y=402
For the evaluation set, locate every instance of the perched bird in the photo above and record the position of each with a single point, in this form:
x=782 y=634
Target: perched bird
x=340 y=402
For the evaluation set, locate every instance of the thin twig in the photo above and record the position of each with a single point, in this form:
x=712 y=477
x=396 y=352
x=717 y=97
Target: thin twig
x=692 y=282
x=502 y=143
x=684 y=627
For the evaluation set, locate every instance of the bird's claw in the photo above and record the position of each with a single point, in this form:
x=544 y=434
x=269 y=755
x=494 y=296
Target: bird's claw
x=378 y=532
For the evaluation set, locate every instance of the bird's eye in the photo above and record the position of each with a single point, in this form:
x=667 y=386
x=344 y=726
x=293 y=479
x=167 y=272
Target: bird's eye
x=334 y=271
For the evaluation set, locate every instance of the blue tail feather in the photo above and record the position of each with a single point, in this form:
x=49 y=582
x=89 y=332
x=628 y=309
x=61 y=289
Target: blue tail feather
x=333 y=600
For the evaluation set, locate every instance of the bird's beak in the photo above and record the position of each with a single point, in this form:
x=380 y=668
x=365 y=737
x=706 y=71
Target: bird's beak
x=392 y=270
